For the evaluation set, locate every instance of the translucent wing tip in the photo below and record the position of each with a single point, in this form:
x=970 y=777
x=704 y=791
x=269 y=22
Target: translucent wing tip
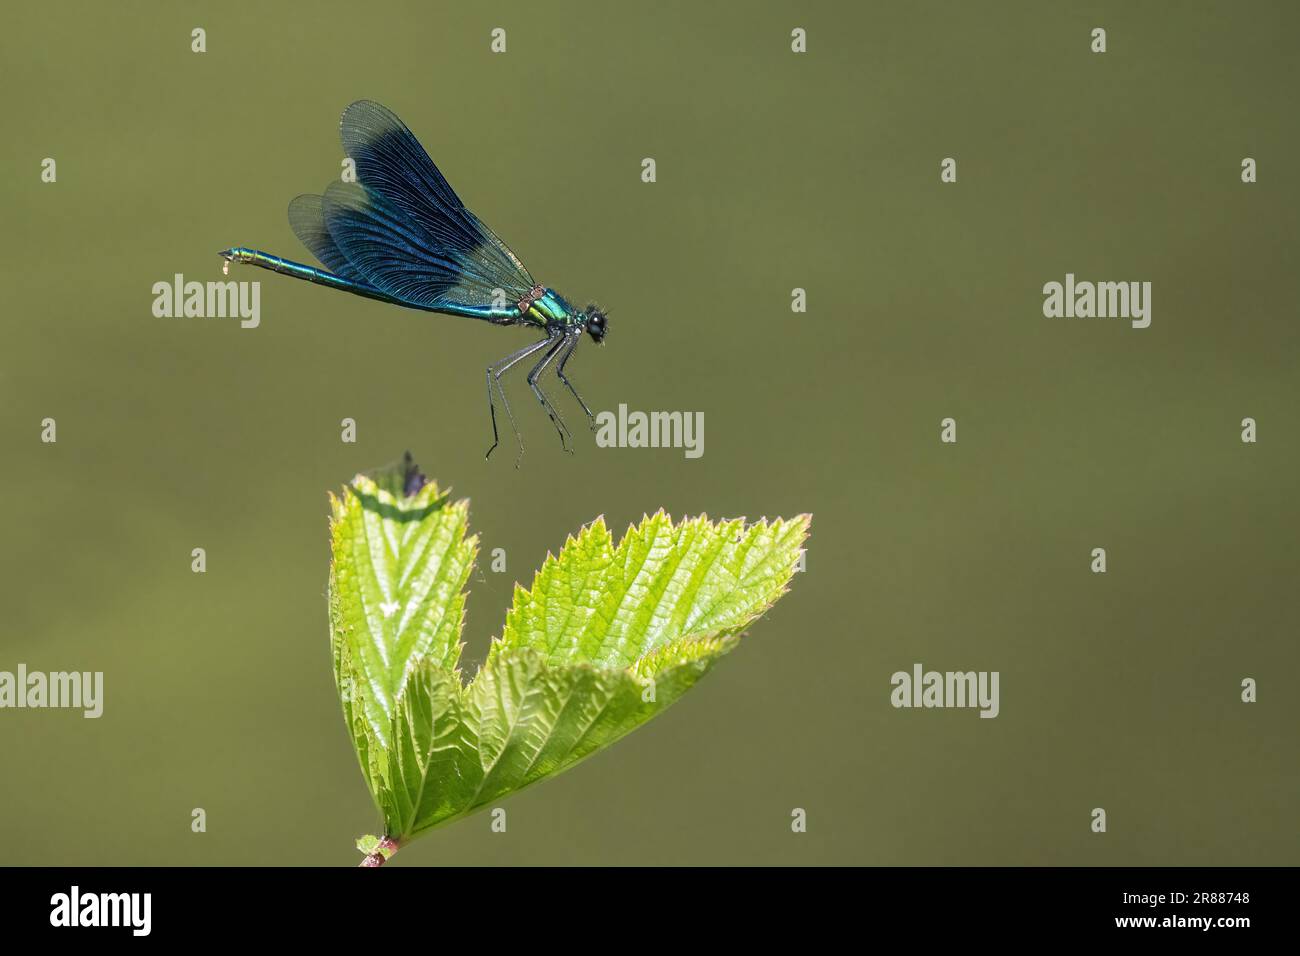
x=305 y=208
x=365 y=106
x=307 y=219
x=362 y=120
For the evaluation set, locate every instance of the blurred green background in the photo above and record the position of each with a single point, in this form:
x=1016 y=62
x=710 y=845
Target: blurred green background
x=775 y=171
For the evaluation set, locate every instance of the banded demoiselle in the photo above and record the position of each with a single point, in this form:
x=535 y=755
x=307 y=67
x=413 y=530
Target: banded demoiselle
x=400 y=234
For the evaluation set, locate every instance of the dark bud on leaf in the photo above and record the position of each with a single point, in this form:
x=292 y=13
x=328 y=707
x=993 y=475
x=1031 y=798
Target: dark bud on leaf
x=414 y=479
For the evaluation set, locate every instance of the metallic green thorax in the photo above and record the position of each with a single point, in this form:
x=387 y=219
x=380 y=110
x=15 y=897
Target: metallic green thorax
x=550 y=309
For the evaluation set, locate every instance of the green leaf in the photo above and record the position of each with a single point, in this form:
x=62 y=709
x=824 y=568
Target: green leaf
x=397 y=578
x=663 y=583
x=606 y=638
x=368 y=844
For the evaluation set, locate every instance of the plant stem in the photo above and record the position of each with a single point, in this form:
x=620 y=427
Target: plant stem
x=387 y=847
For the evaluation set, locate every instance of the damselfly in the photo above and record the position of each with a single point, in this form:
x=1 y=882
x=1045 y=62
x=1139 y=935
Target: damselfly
x=401 y=235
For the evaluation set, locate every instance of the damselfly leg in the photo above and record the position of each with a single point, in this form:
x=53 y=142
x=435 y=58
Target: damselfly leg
x=556 y=419
x=559 y=373
x=494 y=373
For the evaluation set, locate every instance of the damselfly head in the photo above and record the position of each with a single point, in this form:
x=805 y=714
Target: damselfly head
x=595 y=324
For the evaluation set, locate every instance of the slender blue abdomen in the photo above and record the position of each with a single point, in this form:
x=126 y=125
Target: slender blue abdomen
x=264 y=260
x=298 y=270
